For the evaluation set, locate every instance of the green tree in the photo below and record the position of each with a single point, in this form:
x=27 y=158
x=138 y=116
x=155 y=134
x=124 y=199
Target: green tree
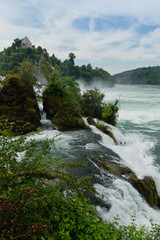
x=17 y=43
x=45 y=68
x=25 y=71
x=91 y=103
x=110 y=112
x=72 y=57
x=61 y=102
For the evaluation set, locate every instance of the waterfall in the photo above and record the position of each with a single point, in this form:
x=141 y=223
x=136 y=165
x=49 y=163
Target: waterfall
x=46 y=123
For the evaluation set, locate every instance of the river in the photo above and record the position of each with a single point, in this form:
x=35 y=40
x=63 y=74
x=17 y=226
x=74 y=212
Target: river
x=138 y=135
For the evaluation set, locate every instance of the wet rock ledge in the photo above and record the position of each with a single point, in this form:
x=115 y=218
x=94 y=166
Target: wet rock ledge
x=146 y=186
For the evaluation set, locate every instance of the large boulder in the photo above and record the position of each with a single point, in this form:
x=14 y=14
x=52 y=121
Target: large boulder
x=146 y=186
x=19 y=112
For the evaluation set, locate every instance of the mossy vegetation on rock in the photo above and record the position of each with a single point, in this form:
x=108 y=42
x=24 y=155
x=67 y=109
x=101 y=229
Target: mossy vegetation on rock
x=146 y=186
x=103 y=128
x=19 y=110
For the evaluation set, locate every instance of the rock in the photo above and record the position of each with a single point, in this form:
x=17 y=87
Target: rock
x=146 y=187
x=19 y=110
x=99 y=202
x=62 y=114
x=111 y=166
x=102 y=128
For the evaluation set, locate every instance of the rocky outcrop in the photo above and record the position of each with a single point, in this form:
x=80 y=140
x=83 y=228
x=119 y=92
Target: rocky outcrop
x=102 y=127
x=19 y=112
x=63 y=114
x=146 y=187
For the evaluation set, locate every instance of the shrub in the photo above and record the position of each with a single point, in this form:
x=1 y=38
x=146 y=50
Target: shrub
x=40 y=200
x=91 y=103
x=93 y=106
x=110 y=112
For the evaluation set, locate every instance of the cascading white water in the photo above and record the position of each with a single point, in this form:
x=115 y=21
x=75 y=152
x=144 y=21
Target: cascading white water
x=135 y=153
x=46 y=123
x=138 y=136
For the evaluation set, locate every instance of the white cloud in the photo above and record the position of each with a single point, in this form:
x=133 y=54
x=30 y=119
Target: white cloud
x=49 y=23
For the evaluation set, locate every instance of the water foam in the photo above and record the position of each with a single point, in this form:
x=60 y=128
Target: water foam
x=135 y=152
x=137 y=137
x=125 y=202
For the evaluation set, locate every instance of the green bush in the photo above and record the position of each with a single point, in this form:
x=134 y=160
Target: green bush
x=110 y=112
x=93 y=106
x=40 y=200
x=61 y=102
x=91 y=103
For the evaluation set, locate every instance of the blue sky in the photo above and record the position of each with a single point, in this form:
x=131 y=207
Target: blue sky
x=114 y=34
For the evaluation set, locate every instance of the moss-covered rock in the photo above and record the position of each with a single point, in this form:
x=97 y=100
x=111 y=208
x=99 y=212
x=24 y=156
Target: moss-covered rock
x=148 y=190
x=62 y=110
x=102 y=127
x=19 y=110
x=146 y=187
x=111 y=166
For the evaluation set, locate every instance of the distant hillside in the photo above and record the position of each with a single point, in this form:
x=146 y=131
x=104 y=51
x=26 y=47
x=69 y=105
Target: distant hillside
x=149 y=75
x=22 y=50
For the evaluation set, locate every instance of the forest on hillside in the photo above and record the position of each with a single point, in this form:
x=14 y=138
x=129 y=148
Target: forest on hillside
x=39 y=57
x=145 y=75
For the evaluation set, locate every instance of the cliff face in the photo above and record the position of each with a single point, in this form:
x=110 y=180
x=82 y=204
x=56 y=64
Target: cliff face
x=19 y=110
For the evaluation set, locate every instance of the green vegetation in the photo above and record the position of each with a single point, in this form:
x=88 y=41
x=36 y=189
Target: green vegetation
x=87 y=73
x=61 y=102
x=102 y=127
x=42 y=63
x=91 y=102
x=19 y=109
x=110 y=112
x=40 y=200
x=149 y=75
x=93 y=106
x=65 y=106
x=25 y=71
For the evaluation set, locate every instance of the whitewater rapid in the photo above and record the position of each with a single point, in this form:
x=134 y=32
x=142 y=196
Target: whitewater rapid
x=138 y=136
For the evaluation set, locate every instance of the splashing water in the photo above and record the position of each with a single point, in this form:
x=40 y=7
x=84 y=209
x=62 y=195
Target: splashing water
x=138 y=137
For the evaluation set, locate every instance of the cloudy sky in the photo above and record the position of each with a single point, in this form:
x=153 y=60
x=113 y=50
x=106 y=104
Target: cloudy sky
x=114 y=34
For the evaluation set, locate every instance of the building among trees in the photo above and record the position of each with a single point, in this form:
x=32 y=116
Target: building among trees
x=26 y=43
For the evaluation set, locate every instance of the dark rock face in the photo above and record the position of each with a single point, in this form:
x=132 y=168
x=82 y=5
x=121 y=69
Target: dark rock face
x=19 y=110
x=146 y=187
x=62 y=114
